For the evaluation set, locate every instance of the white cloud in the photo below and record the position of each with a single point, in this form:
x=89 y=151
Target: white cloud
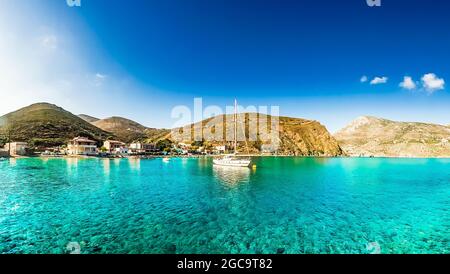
x=49 y=41
x=432 y=83
x=364 y=79
x=99 y=79
x=100 y=76
x=379 y=80
x=408 y=83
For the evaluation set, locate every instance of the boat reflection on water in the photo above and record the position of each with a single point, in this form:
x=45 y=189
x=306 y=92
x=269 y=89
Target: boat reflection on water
x=230 y=175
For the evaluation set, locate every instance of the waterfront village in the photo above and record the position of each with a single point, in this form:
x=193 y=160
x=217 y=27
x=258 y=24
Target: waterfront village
x=85 y=147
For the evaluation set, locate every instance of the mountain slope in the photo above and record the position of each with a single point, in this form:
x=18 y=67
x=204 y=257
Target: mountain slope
x=88 y=118
x=44 y=124
x=154 y=135
x=371 y=136
x=297 y=136
x=307 y=138
x=124 y=129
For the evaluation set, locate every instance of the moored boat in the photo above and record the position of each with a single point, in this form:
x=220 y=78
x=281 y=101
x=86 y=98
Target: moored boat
x=233 y=159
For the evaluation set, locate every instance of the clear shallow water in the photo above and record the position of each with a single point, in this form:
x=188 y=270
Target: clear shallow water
x=290 y=205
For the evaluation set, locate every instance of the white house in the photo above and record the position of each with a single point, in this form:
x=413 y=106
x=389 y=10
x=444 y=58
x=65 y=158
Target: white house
x=184 y=146
x=142 y=148
x=115 y=147
x=17 y=148
x=82 y=146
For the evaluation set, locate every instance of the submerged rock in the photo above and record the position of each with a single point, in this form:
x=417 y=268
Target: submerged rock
x=280 y=250
x=171 y=248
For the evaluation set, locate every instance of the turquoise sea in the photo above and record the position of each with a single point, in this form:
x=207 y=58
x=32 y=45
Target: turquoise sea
x=285 y=205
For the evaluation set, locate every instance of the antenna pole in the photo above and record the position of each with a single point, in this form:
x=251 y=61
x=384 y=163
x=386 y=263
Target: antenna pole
x=235 y=126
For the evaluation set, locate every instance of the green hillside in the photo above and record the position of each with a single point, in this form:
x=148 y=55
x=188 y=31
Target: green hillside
x=45 y=124
x=124 y=129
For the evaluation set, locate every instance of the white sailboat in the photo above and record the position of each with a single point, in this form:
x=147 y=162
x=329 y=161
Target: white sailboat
x=233 y=159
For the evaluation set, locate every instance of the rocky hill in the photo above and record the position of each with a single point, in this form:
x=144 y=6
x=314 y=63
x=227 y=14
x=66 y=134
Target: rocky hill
x=306 y=137
x=297 y=136
x=44 y=124
x=127 y=130
x=156 y=134
x=88 y=118
x=372 y=136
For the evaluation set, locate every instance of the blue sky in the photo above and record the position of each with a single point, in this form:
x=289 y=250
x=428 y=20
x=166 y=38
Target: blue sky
x=139 y=59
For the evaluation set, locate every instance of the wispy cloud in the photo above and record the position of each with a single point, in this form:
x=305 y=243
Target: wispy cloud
x=364 y=79
x=49 y=41
x=408 y=83
x=379 y=80
x=99 y=79
x=432 y=83
x=100 y=76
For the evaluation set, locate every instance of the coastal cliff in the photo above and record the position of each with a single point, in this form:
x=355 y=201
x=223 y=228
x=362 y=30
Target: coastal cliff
x=376 y=137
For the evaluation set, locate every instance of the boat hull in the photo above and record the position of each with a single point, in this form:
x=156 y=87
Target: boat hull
x=235 y=163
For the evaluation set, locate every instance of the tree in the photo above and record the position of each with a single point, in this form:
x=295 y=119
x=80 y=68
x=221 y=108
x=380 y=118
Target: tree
x=162 y=145
x=3 y=140
x=197 y=144
x=5 y=134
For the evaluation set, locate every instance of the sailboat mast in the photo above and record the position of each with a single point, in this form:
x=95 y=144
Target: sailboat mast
x=235 y=126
